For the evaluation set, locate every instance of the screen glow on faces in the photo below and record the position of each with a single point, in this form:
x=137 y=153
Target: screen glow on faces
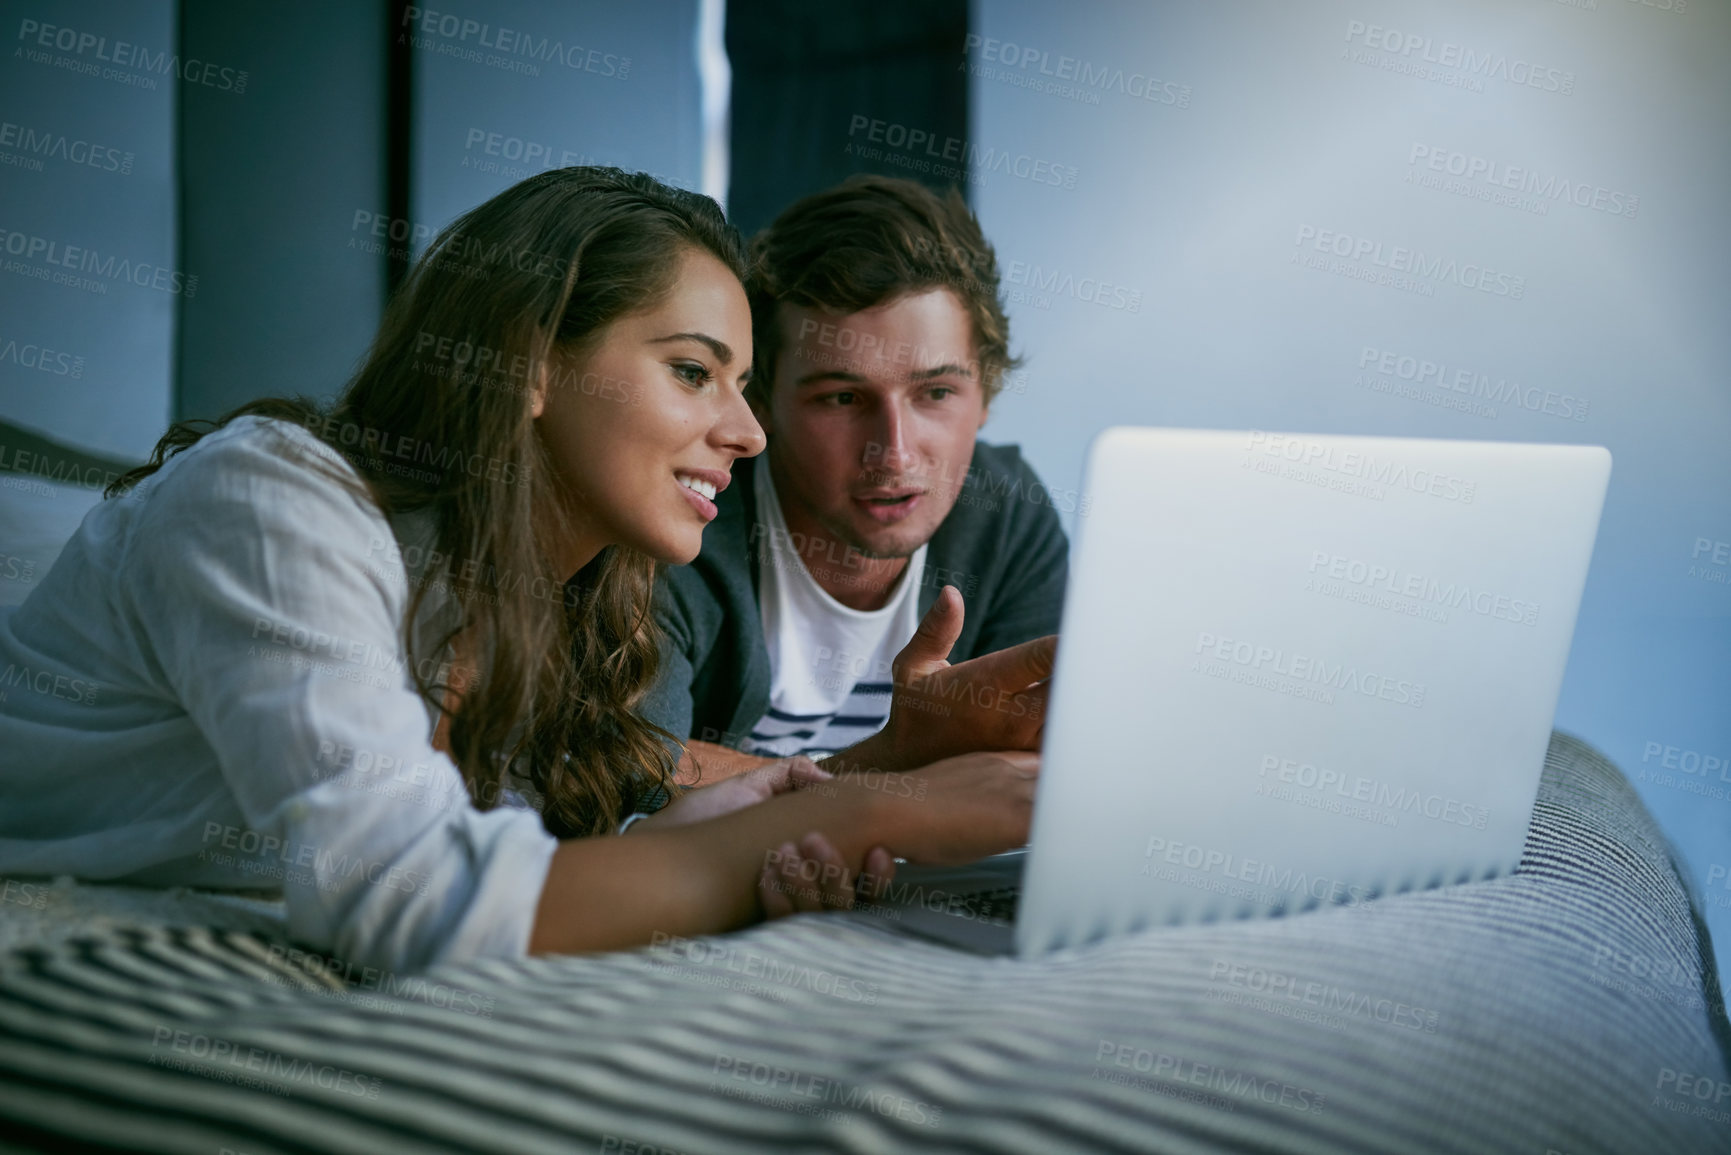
x=873 y=417
x=644 y=424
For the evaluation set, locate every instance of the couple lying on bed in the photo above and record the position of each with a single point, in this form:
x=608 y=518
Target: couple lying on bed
x=409 y=659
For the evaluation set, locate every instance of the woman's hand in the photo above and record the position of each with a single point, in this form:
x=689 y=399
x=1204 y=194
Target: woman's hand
x=705 y=876
x=957 y=810
x=811 y=876
x=736 y=793
x=814 y=876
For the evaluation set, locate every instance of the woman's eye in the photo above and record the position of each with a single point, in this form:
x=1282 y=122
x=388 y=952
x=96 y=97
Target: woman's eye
x=939 y=392
x=691 y=372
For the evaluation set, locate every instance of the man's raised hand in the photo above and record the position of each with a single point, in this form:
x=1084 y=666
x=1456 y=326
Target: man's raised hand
x=996 y=701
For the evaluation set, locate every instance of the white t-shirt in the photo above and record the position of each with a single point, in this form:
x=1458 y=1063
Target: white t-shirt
x=210 y=688
x=829 y=665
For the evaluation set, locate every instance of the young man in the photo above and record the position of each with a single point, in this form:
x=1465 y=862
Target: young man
x=880 y=343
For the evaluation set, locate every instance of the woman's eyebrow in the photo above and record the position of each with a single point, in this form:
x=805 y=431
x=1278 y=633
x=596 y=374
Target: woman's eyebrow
x=722 y=351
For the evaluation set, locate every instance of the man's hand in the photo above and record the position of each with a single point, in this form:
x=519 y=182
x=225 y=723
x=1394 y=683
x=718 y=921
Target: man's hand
x=969 y=807
x=996 y=701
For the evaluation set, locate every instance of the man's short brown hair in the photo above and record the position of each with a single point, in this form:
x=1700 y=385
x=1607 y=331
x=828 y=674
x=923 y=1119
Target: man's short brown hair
x=864 y=243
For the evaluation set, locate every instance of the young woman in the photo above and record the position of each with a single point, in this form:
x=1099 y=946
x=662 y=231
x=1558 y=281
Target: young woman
x=332 y=652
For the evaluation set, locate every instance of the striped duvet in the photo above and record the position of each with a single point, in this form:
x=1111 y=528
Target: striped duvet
x=1571 y=1007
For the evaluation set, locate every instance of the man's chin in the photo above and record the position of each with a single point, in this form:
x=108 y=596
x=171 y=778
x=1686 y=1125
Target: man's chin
x=887 y=541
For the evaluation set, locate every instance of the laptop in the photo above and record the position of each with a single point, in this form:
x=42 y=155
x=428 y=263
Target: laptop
x=1296 y=671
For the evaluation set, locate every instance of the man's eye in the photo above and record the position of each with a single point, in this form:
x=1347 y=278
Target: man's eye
x=845 y=397
x=939 y=392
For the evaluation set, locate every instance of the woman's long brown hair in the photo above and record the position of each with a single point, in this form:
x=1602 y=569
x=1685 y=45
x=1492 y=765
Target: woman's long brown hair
x=438 y=419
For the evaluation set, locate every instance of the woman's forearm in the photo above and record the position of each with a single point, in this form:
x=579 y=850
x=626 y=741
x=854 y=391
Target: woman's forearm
x=614 y=893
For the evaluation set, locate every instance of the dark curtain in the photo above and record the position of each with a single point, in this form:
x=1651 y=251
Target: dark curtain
x=815 y=83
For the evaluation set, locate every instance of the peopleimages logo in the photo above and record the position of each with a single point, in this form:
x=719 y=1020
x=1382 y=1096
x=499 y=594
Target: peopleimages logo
x=1423 y=372
x=35 y=145
x=805 y=1093
x=1036 y=284
x=89 y=52
x=56 y=469
x=1688 y=761
x=1325 y=997
x=48 y=683
x=922 y=150
x=1392 y=579
x=1234 y=1086
x=1277 y=662
x=753 y=964
x=1486 y=179
x=1367 y=256
x=1191 y=857
x=230 y=1062
x=1068 y=76
x=1708 y=553
x=1482 y=65
x=533 y=156
x=63 y=263
x=1353 y=463
x=41 y=358
x=1307 y=776
x=254 y=854
x=447 y=34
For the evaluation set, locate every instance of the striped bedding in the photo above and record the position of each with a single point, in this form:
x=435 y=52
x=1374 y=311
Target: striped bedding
x=1570 y=1007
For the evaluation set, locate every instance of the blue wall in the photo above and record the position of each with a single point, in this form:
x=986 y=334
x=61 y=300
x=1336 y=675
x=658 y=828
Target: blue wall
x=271 y=182
x=233 y=158
x=87 y=163
x=529 y=86
x=1272 y=124
x=1190 y=156
x=273 y=156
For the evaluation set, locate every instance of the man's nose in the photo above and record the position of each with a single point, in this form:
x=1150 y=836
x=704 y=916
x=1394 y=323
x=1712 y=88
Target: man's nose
x=888 y=450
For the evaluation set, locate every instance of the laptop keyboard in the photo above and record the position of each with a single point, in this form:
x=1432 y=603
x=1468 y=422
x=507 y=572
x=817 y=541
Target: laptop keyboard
x=997 y=905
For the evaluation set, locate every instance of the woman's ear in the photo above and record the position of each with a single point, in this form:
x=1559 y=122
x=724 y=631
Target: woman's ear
x=538 y=396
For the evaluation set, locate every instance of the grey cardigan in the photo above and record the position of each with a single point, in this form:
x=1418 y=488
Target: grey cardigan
x=1001 y=546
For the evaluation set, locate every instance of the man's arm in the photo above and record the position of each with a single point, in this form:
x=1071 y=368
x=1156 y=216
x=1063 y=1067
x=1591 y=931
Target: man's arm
x=669 y=702
x=1029 y=601
x=996 y=701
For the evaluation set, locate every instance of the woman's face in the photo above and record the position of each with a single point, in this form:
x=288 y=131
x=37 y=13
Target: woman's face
x=644 y=425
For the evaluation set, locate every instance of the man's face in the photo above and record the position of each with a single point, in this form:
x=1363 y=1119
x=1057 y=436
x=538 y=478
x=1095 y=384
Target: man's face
x=872 y=418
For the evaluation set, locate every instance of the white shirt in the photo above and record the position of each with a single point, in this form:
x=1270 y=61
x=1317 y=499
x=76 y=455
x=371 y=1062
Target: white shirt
x=829 y=664
x=210 y=688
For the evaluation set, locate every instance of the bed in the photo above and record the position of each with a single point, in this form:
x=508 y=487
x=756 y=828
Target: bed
x=1571 y=1007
